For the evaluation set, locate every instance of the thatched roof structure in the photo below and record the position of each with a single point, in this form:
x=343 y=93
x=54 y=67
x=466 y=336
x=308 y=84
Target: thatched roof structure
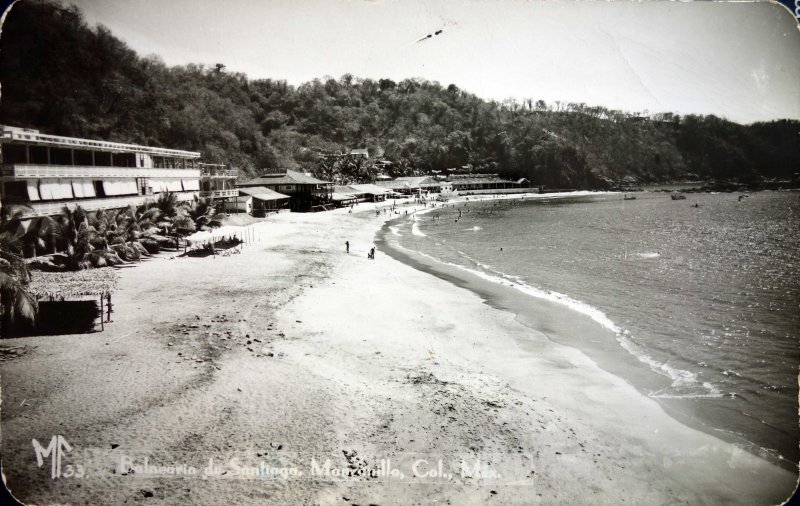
x=73 y=284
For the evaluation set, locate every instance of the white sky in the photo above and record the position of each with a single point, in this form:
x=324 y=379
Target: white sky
x=737 y=60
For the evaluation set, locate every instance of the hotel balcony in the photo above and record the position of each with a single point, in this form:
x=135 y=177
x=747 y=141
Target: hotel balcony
x=209 y=171
x=25 y=170
x=220 y=194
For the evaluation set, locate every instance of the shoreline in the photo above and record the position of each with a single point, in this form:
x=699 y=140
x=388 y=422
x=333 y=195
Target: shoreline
x=295 y=345
x=602 y=347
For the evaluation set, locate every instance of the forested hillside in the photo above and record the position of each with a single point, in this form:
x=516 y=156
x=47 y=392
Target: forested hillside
x=63 y=77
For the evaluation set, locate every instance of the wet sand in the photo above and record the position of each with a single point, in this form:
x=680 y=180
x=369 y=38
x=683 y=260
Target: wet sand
x=293 y=351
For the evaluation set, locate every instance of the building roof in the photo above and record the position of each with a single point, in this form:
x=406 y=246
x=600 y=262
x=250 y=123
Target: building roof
x=481 y=179
x=261 y=193
x=409 y=182
x=290 y=177
x=345 y=190
x=31 y=136
x=417 y=180
x=71 y=284
x=356 y=190
x=359 y=152
x=343 y=197
x=369 y=188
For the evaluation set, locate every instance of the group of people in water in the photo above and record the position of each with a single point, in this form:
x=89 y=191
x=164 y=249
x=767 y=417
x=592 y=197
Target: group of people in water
x=392 y=209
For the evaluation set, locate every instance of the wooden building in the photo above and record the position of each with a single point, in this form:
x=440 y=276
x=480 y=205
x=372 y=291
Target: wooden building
x=258 y=201
x=306 y=193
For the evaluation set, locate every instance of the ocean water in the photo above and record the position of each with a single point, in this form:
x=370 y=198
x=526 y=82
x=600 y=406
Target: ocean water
x=705 y=299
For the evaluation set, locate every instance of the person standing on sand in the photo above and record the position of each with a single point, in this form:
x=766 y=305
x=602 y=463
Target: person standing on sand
x=347 y=246
x=372 y=253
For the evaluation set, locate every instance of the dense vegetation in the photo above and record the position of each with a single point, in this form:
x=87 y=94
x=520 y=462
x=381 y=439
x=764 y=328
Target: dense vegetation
x=77 y=239
x=63 y=77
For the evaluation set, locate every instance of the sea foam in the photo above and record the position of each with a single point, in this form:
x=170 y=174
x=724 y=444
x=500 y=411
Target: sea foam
x=684 y=384
x=416 y=231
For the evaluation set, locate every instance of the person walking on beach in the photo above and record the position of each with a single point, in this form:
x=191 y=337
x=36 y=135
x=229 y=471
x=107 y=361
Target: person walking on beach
x=347 y=246
x=371 y=254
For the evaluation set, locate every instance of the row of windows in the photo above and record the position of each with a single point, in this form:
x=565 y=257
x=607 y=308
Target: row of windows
x=44 y=155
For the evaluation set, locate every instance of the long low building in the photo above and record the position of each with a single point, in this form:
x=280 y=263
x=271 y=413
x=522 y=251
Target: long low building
x=456 y=184
x=354 y=193
x=410 y=185
x=486 y=183
x=47 y=172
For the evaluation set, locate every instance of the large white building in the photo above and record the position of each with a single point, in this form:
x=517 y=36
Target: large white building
x=47 y=172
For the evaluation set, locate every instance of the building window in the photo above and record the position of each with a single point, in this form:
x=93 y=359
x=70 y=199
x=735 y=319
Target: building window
x=14 y=154
x=60 y=156
x=83 y=157
x=102 y=159
x=39 y=155
x=16 y=191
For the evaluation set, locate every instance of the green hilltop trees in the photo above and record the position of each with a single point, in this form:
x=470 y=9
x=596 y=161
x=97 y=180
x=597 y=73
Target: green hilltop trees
x=63 y=77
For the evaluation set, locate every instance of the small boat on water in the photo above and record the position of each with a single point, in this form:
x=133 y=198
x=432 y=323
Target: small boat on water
x=678 y=196
x=629 y=197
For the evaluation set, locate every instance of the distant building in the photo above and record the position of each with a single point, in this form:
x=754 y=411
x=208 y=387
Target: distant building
x=411 y=185
x=359 y=153
x=446 y=188
x=344 y=196
x=306 y=193
x=48 y=172
x=354 y=193
x=486 y=183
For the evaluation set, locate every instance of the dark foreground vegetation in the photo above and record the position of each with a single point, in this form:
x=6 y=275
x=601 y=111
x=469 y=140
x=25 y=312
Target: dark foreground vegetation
x=78 y=239
x=63 y=77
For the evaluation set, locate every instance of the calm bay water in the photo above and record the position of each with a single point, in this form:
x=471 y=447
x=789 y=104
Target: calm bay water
x=707 y=297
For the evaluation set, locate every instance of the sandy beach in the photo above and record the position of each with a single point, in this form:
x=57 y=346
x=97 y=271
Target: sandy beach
x=256 y=368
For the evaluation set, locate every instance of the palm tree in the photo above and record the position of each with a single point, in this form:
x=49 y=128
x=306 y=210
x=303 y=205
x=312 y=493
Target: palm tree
x=168 y=206
x=79 y=238
x=15 y=299
x=36 y=236
x=173 y=217
x=144 y=227
x=117 y=231
x=203 y=213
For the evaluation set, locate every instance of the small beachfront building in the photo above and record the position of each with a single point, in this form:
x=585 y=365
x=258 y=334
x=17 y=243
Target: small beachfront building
x=257 y=201
x=71 y=302
x=306 y=193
